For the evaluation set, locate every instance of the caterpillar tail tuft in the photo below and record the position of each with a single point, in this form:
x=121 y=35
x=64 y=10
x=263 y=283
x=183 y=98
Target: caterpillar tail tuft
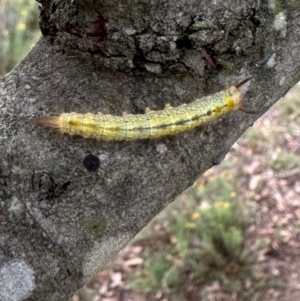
x=152 y=124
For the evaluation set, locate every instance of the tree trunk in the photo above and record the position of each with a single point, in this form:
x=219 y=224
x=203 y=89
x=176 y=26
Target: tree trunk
x=68 y=204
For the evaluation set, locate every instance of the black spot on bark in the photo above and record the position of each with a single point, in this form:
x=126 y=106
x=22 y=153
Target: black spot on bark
x=91 y=162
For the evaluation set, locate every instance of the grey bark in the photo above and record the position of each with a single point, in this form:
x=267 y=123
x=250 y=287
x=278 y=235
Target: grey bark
x=59 y=220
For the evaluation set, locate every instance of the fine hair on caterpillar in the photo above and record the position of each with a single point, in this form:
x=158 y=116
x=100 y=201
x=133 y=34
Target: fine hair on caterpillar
x=152 y=124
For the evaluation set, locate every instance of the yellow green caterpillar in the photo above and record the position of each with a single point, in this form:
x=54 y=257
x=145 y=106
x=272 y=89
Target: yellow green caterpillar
x=152 y=124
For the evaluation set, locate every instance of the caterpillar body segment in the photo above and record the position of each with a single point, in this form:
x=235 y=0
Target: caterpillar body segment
x=152 y=124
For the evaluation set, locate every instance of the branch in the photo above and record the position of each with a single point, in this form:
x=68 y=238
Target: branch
x=68 y=204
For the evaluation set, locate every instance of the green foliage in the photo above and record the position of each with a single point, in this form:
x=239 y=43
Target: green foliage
x=18 y=31
x=285 y=161
x=219 y=231
x=155 y=273
x=207 y=244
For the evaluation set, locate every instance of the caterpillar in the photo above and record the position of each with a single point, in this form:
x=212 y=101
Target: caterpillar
x=152 y=124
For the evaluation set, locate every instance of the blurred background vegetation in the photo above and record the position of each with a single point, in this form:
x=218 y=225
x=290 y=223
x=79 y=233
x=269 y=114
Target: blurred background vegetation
x=18 y=31
x=231 y=236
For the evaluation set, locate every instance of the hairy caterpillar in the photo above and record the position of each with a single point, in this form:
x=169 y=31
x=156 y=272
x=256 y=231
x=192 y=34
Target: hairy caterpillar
x=152 y=124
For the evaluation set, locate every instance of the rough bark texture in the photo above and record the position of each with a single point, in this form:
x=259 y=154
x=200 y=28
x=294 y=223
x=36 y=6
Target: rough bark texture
x=61 y=218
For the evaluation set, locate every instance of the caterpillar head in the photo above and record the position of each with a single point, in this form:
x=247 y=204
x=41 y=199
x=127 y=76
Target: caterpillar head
x=238 y=96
